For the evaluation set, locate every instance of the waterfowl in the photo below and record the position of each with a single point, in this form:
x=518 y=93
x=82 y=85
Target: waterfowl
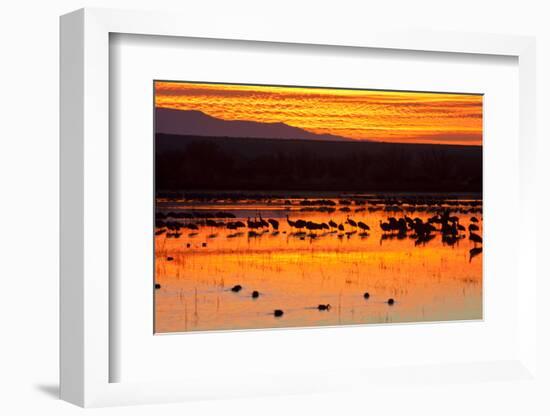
x=278 y=312
x=236 y=288
x=274 y=223
x=157 y=285
x=324 y=307
x=255 y=294
x=363 y=226
x=476 y=238
x=366 y=295
x=391 y=301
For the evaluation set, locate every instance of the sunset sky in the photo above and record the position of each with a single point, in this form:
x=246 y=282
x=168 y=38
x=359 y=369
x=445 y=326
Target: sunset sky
x=405 y=117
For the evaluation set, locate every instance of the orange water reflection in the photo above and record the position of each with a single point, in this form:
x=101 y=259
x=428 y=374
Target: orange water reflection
x=296 y=273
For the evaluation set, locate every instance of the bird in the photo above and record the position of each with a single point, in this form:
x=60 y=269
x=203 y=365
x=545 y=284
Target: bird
x=253 y=224
x=473 y=219
x=366 y=295
x=274 y=223
x=290 y=222
x=341 y=227
x=188 y=245
x=391 y=301
x=169 y=258
x=476 y=238
x=263 y=222
x=204 y=244
x=363 y=226
x=236 y=288
x=211 y=223
x=332 y=224
x=475 y=251
x=232 y=225
x=324 y=307
x=296 y=224
x=473 y=227
x=351 y=222
x=278 y=313
x=157 y=285
x=255 y=294
x=385 y=226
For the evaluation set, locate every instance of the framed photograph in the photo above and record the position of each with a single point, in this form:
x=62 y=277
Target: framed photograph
x=280 y=206
x=244 y=214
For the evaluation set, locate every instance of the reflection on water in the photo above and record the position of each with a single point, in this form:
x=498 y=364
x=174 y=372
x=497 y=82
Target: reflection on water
x=230 y=264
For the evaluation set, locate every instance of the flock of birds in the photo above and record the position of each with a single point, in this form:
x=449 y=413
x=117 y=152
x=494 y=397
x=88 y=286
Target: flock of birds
x=280 y=312
x=442 y=223
x=321 y=307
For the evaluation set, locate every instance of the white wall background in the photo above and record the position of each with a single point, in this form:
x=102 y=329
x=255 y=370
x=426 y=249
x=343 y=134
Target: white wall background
x=29 y=207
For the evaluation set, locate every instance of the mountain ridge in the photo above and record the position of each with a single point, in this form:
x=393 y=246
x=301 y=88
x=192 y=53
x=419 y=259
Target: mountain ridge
x=197 y=123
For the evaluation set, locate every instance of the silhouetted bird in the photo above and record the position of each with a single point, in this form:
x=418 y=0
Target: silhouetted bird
x=385 y=226
x=332 y=224
x=324 y=307
x=253 y=224
x=263 y=222
x=475 y=251
x=236 y=288
x=366 y=295
x=363 y=226
x=391 y=301
x=341 y=227
x=351 y=222
x=211 y=223
x=255 y=294
x=473 y=227
x=204 y=244
x=296 y=224
x=476 y=238
x=169 y=258
x=274 y=223
x=278 y=312
x=473 y=219
x=157 y=285
x=290 y=222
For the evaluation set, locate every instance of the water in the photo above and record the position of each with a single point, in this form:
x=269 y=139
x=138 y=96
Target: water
x=296 y=271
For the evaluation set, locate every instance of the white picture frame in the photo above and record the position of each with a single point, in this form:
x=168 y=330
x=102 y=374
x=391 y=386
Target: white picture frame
x=85 y=210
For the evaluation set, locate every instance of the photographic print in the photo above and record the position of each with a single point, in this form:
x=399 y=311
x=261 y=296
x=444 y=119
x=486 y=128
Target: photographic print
x=294 y=206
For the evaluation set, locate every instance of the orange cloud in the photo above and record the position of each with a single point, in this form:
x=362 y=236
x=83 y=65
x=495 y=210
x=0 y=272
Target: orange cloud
x=389 y=116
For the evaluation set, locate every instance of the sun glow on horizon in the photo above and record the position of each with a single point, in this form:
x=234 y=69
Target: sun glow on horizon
x=388 y=116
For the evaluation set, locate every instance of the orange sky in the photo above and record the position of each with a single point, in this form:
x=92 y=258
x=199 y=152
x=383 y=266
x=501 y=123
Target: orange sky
x=406 y=117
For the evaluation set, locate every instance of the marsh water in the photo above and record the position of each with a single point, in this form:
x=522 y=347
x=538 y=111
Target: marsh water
x=200 y=257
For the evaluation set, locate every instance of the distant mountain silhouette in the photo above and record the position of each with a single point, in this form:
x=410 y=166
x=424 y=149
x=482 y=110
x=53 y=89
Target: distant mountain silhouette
x=197 y=123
